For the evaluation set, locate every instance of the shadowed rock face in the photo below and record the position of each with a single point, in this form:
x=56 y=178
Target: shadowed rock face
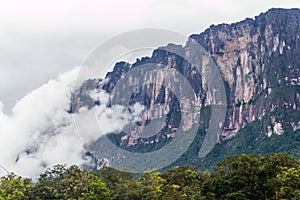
x=259 y=61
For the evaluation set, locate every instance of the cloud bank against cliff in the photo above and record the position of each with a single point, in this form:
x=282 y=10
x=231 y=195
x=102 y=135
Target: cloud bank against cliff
x=40 y=131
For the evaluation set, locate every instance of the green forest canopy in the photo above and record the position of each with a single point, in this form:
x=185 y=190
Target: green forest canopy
x=272 y=176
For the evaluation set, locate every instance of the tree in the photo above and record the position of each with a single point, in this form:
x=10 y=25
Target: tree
x=183 y=182
x=113 y=177
x=153 y=183
x=49 y=183
x=288 y=181
x=97 y=190
x=129 y=190
x=14 y=187
x=272 y=165
x=70 y=183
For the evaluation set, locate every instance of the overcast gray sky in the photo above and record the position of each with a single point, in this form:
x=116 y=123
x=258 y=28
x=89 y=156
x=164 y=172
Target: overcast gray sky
x=40 y=39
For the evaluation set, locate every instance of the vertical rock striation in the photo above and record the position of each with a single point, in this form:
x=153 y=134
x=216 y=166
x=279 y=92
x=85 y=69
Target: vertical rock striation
x=259 y=61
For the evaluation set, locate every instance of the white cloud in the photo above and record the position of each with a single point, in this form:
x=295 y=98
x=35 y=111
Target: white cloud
x=22 y=133
x=40 y=132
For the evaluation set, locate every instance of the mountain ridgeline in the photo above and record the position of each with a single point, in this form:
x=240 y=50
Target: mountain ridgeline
x=259 y=63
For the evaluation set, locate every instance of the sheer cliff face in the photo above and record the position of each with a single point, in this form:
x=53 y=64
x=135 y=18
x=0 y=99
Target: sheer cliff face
x=259 y=60
x=256 y=57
